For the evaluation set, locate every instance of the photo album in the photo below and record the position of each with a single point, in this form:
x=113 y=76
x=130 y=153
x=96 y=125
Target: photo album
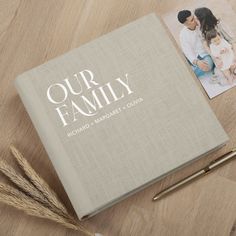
x=124 y=110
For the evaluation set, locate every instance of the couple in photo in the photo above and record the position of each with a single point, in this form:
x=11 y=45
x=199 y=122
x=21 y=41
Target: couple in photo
x=207 y=46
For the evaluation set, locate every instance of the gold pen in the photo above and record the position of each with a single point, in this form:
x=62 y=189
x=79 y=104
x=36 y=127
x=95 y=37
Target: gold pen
x=213 y=165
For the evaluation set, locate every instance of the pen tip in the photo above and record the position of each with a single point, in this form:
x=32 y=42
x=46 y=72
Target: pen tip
x=155 y=198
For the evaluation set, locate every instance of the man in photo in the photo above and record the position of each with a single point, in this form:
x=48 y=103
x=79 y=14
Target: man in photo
x=192 y=46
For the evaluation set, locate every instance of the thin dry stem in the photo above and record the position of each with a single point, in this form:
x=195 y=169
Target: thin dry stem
x=29 y=188
x=38 y=182
x=21 y=201
x=21 y=182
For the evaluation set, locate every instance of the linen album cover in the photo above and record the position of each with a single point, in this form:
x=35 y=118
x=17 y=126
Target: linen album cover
x=119 y=113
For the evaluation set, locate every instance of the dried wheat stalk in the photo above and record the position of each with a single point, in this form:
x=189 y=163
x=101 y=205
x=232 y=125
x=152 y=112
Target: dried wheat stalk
x=21 y=182
x=30 y=189
x=21 y=201
x=54 y=204
x=38 y=182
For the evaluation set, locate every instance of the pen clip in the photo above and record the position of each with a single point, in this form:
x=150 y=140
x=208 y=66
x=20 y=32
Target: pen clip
x=219 y=158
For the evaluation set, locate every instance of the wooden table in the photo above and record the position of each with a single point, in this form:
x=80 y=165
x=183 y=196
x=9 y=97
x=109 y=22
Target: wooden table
x=32 y=32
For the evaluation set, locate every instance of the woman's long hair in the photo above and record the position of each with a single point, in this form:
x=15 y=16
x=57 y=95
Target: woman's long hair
x=206 y=18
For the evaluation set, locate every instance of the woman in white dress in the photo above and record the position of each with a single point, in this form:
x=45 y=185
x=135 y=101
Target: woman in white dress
x=207 y=22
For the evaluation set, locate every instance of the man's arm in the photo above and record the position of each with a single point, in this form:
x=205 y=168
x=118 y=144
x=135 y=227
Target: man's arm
x=191 y=56
x=187 y=49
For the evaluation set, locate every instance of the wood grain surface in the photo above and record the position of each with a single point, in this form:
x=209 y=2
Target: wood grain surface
x=34 y=31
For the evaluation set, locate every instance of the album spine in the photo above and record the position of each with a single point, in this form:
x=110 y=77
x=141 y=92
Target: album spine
x=53 y=145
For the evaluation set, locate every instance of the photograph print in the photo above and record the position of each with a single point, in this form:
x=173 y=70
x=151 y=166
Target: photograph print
x=205 y=32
